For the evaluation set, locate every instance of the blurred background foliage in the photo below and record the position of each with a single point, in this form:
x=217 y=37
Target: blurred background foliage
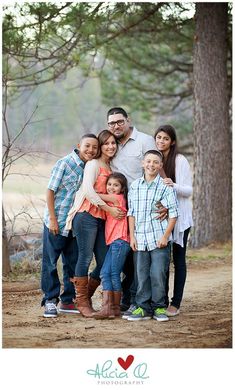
x=73 y=61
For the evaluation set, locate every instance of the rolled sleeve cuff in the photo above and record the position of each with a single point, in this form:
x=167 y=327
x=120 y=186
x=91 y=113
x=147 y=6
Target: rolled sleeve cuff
x=174 y=214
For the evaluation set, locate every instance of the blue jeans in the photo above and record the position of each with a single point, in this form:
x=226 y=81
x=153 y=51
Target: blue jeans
x=152 y=269
x=89 y=232
x=129 y=282
x=113 y=264
x=53 y=247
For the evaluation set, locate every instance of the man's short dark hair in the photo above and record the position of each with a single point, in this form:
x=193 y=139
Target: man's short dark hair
x=117 y=110
x=156 y=152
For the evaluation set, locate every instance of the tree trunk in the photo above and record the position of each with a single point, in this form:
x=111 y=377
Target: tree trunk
x=212 y=135
x=6 y=267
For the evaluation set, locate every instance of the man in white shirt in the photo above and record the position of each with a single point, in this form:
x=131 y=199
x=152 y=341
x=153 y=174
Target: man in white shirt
x=132 y=145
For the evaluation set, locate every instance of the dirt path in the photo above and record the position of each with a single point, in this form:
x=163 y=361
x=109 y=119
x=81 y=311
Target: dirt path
x=205 y=320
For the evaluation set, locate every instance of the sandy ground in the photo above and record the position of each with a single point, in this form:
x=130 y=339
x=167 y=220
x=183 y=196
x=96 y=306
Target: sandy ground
x=205 y=320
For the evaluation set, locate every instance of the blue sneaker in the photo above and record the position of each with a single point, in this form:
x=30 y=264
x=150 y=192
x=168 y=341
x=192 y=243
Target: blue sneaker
x=50 y=309
x=139 y=314
x=160 y=314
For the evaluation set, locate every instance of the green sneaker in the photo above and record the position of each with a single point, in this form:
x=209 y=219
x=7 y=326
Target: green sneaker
x=139 y=314
x=160 y=314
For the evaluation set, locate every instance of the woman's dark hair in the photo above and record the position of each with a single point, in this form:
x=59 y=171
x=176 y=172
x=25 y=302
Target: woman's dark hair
x=103 y=136
x=169 y=162
x=122 y=180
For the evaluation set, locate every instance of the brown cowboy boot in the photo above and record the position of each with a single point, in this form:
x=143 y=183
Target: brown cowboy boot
x=92 y=286
x=107 y=307
x=82 y=302
x=116 y=303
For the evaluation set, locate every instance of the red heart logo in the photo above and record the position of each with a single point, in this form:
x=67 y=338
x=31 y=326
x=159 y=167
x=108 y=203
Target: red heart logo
x=125 y=364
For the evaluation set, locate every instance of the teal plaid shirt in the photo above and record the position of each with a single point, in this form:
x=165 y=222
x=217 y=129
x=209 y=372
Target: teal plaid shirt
x=142 y=199
x=65 y=180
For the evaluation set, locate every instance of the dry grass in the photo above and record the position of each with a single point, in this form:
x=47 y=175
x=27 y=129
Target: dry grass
x=24 y=196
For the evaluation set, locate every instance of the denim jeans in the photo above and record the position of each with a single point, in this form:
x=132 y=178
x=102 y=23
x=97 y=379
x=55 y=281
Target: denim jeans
x=53 y=247
x=152 y=269
x=180 y=271
x=129 y=282
x=89 y=232
x=113 y=264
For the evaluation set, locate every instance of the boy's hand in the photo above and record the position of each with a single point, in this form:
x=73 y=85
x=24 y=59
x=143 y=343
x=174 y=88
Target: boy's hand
x=53 y=226
x=133 y=244
x=162 y=243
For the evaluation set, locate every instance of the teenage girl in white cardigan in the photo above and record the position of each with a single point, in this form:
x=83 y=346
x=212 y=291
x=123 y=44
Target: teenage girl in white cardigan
x=178 y=175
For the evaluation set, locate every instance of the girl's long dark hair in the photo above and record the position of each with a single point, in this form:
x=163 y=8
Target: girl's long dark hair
x=122 y=180
x=169 y=162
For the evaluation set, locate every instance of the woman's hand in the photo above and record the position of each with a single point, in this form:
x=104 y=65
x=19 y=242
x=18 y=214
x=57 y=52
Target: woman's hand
x=168 y=181
x=116 y=212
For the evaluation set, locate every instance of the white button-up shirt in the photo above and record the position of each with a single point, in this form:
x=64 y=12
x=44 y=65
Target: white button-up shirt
x=128 y=159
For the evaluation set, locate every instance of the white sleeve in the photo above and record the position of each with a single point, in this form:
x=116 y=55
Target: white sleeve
x=130 y=211
x=91 y=173
x=149 y=144
x=183 y=185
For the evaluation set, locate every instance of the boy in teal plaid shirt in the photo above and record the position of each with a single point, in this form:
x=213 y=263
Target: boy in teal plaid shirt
x=66 y=178
x=150 y=237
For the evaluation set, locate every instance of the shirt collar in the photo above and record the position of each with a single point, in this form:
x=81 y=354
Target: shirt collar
x=77 y=159
x=155 y=181
x=133 y=133
x=133 y=136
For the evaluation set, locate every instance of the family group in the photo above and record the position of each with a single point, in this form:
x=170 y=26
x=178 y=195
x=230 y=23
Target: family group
x=121 y=200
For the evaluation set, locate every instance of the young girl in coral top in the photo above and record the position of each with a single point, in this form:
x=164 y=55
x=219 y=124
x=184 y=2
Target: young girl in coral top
x=117 y=237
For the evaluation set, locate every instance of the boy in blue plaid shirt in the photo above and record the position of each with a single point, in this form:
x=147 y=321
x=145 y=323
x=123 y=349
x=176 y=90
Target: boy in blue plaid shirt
x=149 y=237
x=66 y=178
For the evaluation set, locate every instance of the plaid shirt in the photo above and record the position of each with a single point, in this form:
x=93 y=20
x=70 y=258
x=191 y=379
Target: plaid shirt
x=65 y=180
x=142 y=199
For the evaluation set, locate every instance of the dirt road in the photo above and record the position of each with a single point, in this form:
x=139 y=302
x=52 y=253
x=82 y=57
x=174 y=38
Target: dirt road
x=205 y=320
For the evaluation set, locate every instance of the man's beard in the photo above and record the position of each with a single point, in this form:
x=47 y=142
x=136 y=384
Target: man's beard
x=119 y=136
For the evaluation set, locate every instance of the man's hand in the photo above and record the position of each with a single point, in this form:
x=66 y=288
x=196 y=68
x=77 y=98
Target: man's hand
x=162 y=212
x=53 y=226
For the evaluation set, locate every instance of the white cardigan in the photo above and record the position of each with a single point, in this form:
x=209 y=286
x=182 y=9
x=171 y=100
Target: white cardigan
x=86 y=191
x=184 y=189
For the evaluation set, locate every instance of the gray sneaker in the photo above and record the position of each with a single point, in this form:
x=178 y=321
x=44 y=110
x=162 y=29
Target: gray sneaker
x=139 y=314
x=160 y=314
x=128 y=312
x=50 y=309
